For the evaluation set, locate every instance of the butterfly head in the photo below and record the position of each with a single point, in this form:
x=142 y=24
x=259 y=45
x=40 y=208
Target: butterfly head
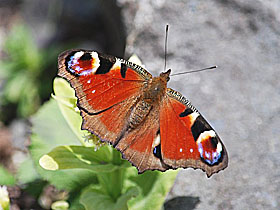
x=165 y=75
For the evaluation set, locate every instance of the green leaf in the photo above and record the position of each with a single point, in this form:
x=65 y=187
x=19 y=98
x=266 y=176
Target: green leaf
x=95 y=199
x=122 y=202
x=65 y=96
x=67 y=157
x=6 y=178
x=154 y=187
x=49 y=131
x=50 y=126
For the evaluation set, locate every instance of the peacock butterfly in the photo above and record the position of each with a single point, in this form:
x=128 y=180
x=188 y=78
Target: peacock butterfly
x=154 y=127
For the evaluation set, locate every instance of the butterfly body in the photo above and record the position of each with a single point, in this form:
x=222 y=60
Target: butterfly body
x=154 y=127
x=152 y=96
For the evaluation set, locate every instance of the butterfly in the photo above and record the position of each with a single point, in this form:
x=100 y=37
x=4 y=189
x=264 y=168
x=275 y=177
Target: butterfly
x=154 y=127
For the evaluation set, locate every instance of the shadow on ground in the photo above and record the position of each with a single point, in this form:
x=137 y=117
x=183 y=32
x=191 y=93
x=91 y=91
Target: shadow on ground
x=182 y=203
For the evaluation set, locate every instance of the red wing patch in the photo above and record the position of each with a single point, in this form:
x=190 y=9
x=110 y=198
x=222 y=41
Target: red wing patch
x=171 y=128
x=100 y=81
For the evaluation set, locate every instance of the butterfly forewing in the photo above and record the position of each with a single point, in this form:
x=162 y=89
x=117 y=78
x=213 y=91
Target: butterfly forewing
x=106 y=88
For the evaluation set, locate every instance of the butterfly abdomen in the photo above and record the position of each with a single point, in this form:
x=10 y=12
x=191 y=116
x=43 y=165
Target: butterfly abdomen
x=139 y=113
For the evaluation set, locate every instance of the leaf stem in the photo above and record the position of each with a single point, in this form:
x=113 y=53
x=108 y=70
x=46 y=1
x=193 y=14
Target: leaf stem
x=112 y=182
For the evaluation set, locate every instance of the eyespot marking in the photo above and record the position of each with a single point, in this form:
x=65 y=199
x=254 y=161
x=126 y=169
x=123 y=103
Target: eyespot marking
x=209 y=147
x=82 y=63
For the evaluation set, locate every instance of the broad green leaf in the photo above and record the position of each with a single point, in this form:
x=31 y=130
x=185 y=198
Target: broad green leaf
x=95 y=199
x=67 y=157
x=50 y=130
x=154 y=187
x=6 y=178
x=112 y=183
x=122 y=202
x=75 y=204
x=50 y=126
x=65 y=96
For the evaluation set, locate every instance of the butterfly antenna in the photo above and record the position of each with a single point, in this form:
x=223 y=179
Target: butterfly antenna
x=165 y=46
x=187 y=72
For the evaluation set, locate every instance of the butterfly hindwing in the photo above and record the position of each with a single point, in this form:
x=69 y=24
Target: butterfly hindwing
x=137 y=145
x=187 y=140
x=109 y=125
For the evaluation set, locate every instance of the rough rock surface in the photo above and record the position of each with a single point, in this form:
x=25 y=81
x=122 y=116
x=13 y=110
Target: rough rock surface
x=241 y=99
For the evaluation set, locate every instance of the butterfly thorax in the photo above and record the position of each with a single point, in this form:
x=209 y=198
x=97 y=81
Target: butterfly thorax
x=153 y=94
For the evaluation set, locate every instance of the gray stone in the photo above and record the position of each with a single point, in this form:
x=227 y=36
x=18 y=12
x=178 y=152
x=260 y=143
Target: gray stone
x=241 y=98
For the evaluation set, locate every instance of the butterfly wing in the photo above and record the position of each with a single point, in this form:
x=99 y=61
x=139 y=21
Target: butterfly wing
x=137 y=145
x=187 y=140
x=106 y=87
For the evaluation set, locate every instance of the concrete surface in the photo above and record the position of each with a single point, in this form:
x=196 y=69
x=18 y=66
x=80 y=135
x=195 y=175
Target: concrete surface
x=241 y=99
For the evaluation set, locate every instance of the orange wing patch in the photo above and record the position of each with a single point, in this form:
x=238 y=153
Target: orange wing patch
x=99 y=92
x=177 y=142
